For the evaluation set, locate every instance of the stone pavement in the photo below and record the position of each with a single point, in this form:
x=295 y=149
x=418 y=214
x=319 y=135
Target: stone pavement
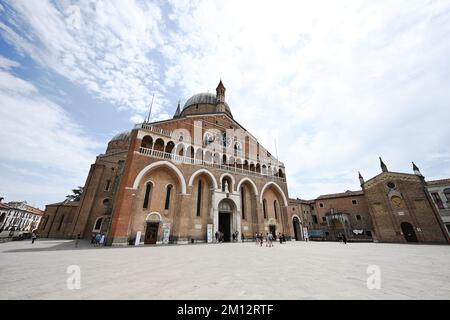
x=295 y=270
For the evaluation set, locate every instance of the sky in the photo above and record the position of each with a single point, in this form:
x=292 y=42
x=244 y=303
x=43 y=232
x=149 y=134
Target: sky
x=335 y=83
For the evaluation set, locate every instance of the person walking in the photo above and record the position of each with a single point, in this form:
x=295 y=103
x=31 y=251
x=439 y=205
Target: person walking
x=33 y=237
x=281 y=238
x=77 y=239
x=217 y=236
x=344 y=238
x=270 y=239
x=256 y=238
x=102 y=240
x=97 y=239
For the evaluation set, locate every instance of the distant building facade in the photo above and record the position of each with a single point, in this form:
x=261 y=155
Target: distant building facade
x=440 y=194
x=391 y=207
x=17 y=218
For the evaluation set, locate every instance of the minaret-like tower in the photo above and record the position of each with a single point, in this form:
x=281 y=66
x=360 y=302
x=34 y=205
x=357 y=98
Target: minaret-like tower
x=416 y=170
x=220 y=97
x=177 y=113
x=361 y=179
x=383 y=166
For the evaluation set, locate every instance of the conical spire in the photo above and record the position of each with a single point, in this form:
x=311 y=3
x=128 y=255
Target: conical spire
x=383 y=166
x=220 y=92
x=361 y=179
x=177 y=113
x=220 y=85
x=416 y=170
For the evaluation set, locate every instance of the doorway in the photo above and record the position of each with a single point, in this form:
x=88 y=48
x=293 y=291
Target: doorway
x=225 y=225
x=273 y=230
x=297 y=232
x=408 y=232
x=151 y=233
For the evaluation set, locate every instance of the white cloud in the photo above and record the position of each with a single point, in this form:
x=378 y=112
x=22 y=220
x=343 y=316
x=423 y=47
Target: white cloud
x=43 y=150
x=7 y=64
x=92 y=44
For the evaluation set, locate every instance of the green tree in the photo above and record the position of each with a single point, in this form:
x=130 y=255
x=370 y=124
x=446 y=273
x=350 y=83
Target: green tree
x=76 y=196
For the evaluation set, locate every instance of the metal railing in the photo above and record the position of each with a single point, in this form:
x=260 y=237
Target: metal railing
x=199 y=142
x=188 y=160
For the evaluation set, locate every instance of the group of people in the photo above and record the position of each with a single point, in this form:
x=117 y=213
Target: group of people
x=98 y=240
x=220 y=236
x=269 y=237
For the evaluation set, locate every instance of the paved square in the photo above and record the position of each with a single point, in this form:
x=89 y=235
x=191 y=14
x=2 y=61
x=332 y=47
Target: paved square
x=295 y=270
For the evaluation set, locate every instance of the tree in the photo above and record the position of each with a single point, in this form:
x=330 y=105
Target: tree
x=76 y=196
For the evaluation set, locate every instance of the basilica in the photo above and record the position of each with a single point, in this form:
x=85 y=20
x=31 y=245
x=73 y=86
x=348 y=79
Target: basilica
x=185 y=179
x=179 y=181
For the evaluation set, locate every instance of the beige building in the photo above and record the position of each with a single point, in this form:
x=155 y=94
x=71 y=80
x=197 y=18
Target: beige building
x=440 y=194
x=17 y=218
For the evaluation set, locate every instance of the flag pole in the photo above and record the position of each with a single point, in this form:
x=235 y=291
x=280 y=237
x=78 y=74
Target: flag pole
x=150 y=109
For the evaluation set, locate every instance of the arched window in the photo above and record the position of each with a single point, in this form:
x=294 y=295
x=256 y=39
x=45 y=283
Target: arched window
x=148 y=190
x=199 y=198
x=264 y=208
x=275 y=209
x=243 y=202
x=169 y=147
x=147 y=142
x=106 y=206
x=98 y=224
x=168 y=191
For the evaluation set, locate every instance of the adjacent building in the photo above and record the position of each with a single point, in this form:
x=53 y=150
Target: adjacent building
x=17 y=218
x=401 y=208
x=440 y=194
x=390 y=207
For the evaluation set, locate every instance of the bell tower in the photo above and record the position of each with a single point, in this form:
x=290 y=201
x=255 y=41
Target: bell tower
x=220 y=97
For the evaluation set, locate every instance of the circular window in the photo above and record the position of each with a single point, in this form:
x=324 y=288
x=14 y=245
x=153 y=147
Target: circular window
x=391 y=185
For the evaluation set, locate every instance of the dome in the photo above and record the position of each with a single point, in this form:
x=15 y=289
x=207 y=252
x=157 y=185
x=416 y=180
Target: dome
x=209 y=102
x=125 y=135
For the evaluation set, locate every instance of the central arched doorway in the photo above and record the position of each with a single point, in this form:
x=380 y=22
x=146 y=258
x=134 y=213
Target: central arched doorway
x=408 y=232
x=226 y=210
x=297 y=231
x=151 y=228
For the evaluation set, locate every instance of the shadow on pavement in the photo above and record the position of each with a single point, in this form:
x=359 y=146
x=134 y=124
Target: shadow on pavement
x=42 y=245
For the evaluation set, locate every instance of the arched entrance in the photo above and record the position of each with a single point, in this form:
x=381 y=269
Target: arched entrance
x=337 y=228
x=151 y=228
x=226 y=210
x=297 y=232
x=408 y=232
